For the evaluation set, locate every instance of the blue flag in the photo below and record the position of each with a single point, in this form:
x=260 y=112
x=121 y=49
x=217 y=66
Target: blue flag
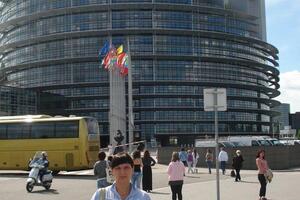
x=104 y=50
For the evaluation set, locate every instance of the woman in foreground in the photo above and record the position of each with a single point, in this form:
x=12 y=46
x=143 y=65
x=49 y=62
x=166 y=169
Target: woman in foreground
x=121 y=189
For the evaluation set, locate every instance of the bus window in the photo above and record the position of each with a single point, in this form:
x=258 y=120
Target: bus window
x=68 y=129
x=18 y=131
x=3 y=131
x=42 y=130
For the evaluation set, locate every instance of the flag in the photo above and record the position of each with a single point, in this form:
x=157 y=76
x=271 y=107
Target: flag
x=104 y=50
x=125 y=61
x=124 y=71
x=113 y=62
x=120 y=50
x=110 y=59
x=120 y=59
x=106 y=61
x=124 y=66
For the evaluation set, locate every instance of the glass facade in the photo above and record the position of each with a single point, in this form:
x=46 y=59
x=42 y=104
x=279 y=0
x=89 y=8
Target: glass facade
x=15 y=101
x=178 y=48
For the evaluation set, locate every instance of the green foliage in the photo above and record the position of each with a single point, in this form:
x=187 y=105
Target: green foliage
x=298 y=134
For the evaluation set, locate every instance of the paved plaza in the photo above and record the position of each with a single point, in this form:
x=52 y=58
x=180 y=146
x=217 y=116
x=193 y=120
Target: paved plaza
x=285 y=186
x=202 y=185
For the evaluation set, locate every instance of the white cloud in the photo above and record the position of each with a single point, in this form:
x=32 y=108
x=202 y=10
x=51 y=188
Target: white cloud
x=270 y=3
x=290 y=90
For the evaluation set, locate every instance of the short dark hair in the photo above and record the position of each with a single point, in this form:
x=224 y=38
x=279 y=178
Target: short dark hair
x=260 y=151
x=110 y=158
x=101 y=155
x=121 y=158
x=136 y=154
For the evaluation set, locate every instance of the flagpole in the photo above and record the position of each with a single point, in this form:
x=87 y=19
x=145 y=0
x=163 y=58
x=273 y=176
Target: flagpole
x=130 y=110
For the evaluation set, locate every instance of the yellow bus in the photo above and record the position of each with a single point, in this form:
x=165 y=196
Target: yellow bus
x=72 y=143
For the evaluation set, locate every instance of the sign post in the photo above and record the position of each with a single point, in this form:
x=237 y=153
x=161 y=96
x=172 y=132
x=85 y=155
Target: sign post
x=215 y=100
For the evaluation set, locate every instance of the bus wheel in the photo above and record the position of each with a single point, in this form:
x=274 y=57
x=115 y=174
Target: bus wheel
x=29 y=187
x=54 y=173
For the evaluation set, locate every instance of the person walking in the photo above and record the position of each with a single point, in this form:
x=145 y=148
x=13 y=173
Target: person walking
x=209 y=159
x=148 y=161
x=237 y=163
x=262 y=167
x=110 y=149
x=195 y=160
x=183 y=156
x=122 y=169
x=223 y=158
x=100 y=170
x=190 y=161
x=137 y=166
x=176 y=172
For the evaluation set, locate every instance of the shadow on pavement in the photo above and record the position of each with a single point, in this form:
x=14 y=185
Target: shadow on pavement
x=50 y=191
x=163 y=193
x=188 y=176
x=256 y=182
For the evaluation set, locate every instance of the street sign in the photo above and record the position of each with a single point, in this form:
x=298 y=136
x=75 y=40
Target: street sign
x=209 y=101
x=215 y=100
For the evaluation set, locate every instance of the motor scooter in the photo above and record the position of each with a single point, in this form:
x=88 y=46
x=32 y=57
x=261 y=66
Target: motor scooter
x=36 y=164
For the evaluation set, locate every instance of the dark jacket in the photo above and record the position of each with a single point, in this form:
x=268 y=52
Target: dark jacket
x=237 y=162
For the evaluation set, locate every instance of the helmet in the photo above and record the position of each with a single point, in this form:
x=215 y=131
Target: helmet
x=238 y=152
x=44 y=154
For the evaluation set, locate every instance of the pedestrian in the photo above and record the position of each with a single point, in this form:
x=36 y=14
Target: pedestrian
x=195 y=160
x=141 y=147
x=176 y=171
x=209 y=159
x=237 y=163
x=100 y=170
x=183 y=156
x=223 y=158
x=262 y=167
x=148 y=161
x=190 y=161
x=109 y=159
x=110 y=149
x=122 y=169
x=137 y=169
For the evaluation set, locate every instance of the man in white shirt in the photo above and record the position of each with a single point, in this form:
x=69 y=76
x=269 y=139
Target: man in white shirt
x=223 y=158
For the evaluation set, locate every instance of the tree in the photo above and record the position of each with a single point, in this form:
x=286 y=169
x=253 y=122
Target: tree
x=298 y=134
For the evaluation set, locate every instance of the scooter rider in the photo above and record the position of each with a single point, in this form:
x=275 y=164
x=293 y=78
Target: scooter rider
x=44 y=161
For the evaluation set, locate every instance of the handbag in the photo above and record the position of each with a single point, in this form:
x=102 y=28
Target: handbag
x=232 y=173
x=269 y=175
x=109 y=177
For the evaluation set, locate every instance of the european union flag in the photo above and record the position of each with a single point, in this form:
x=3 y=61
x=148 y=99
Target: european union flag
x=104 y=50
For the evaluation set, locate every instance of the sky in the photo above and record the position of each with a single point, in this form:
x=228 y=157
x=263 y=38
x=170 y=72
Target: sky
x=283 y=31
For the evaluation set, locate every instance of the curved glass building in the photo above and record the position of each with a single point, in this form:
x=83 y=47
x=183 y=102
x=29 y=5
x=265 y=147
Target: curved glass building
x=178 y=48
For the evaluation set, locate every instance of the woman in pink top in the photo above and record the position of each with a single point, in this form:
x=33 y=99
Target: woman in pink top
x=176 y=171
x=262 y=167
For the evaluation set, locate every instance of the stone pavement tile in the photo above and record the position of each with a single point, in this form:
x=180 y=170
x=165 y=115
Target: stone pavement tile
x=283 y=187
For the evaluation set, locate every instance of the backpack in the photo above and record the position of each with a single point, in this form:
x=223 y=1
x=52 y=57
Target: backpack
x=102 y=193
